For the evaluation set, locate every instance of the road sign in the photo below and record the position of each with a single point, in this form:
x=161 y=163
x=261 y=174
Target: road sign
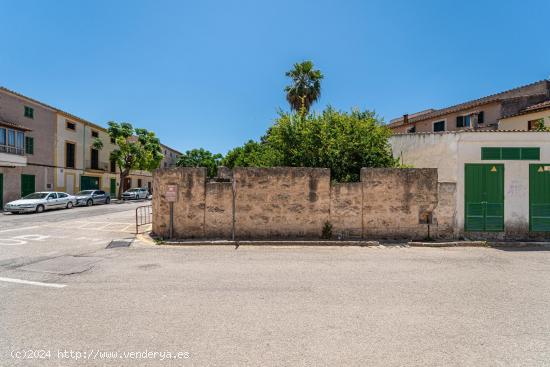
x=171 y=193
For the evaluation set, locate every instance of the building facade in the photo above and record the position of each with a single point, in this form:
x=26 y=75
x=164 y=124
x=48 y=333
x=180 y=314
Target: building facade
x=484 y=113
x=44 y=148
x=499 y=181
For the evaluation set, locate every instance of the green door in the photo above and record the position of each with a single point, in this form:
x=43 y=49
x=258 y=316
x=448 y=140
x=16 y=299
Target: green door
x=1 y=191
x=113 y=187
x=539 y=198
x=484 y=197
x=89 y=183
x=27 y=185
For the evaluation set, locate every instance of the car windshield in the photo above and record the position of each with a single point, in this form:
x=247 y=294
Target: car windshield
x=37 y=195
x=85 y=192
x=133 y=190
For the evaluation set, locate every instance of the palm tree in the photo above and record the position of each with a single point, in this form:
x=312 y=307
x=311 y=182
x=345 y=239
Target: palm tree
x=305 y=88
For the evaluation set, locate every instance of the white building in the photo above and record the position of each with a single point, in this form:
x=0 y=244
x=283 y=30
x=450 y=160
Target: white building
x=501 y=178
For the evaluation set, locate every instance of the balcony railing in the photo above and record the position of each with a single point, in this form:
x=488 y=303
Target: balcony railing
x=97 y=165
x=11 y=150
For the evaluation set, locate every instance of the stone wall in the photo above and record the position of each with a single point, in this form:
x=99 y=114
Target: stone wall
x=346 y=210
x=281 y=202
x=218 y=218
x=189 y=210
x=395 y=201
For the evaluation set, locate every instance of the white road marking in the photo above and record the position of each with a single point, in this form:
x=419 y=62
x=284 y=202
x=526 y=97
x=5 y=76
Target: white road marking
x=21 y=281
x=11 y=242
x=18 y=229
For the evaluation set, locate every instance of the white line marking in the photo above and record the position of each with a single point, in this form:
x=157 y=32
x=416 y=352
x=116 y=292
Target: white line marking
x=21 y=281
x=18 y=229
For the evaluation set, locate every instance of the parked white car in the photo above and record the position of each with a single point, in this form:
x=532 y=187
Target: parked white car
x=136 y=193
x=40 y=201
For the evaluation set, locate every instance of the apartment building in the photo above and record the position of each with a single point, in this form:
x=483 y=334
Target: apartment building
x=485 y=113
x=45 y=148
x=27 y=159
x=171 y=157
x=492 y=157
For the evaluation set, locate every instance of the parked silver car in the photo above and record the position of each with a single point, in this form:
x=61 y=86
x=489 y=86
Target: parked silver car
x=40 y=201
x=92 y=197
x=136 y=193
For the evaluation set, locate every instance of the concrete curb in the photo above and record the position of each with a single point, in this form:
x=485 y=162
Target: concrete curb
x=449 y=244
x=323 y=243
x=270 y=243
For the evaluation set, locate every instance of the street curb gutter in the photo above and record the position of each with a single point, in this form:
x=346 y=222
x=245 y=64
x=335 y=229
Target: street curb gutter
x=323 y=243
x=271 y=243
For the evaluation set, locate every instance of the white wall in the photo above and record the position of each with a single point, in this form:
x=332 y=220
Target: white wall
x=449 y=152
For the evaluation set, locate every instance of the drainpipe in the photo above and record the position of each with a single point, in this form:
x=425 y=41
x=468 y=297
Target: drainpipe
x=83 y=149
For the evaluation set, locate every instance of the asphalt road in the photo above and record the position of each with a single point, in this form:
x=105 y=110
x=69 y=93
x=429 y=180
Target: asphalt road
x=263 y=306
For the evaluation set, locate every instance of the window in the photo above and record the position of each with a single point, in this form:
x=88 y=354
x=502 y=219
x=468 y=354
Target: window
x=69 y=155
x=463 y=121
x=11 y=138
x=139 y=182
x=2 y=136
x=113 y=141
x=439 y=126
x=510 y=153
x=29 y=145
x=61 y=195
x=95 y=159
x=480 y=117
x=53 y=195
x=165 y=164
x=70 y=125
x=20 y=141
x=95 y=134
x=411 y=129
x=535 y=124
x=113 y=167
x=29 y=112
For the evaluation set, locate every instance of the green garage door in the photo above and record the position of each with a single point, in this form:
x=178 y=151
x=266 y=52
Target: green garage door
x=539 y=198
x=27 y=185
x=484 y=197
x=89 y=183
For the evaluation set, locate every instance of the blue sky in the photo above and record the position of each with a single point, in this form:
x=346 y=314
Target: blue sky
x=211 y=73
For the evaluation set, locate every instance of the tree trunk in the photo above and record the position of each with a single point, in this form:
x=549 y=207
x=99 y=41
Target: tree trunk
x=123 y=175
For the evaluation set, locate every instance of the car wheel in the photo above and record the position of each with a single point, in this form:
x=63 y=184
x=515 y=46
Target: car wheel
x=69 y=205
x=40 y=208
x=90 y=202
x=107 y=201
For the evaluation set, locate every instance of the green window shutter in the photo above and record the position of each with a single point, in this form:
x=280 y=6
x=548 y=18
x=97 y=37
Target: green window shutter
x=530 y=153
x=511 y=153
x=29 y=145
x=490 y=153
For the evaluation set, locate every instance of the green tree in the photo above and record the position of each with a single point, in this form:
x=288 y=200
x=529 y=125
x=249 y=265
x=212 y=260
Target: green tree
x=305 y=88
x=200 y=158
x=251 y=154
x=137 y=149
x=539 y=125
x=344 y=142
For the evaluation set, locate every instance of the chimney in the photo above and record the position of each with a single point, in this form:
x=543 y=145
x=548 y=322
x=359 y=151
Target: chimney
x=405 y=119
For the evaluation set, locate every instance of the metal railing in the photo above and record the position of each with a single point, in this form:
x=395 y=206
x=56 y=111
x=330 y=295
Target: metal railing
x=144 y=216
x=11 y=150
